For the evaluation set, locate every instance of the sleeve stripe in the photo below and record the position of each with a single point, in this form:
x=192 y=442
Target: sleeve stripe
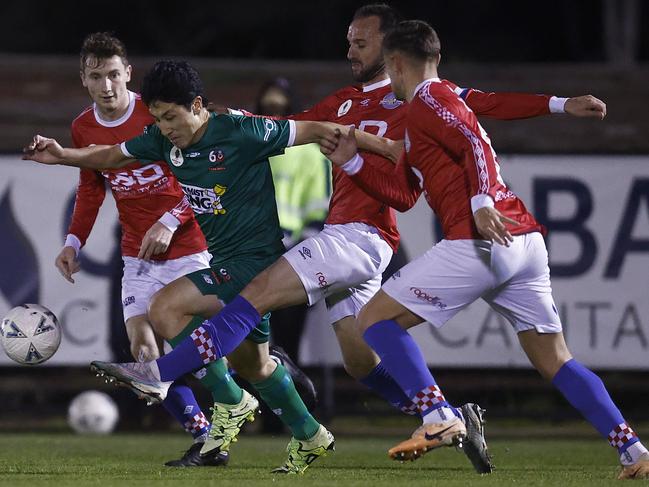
x=291 y=133
x=476 y=142
x=125 y=151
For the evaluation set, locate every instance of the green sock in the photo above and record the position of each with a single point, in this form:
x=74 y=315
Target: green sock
x=217 y=379
x=278 y=392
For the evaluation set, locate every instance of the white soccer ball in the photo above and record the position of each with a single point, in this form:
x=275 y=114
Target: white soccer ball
x=93 y=412
x=30 y=334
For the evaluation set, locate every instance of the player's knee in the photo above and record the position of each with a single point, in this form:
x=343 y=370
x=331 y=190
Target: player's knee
x=254 y=370
x=365 y=319
x=162 y=315
x=357 y=367
x=258 y=292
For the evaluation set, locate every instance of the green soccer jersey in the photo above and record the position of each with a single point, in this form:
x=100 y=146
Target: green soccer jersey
x=227 y=180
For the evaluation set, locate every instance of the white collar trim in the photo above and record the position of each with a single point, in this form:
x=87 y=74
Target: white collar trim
x=421 y=85
x=378 y=84
x=120 y=120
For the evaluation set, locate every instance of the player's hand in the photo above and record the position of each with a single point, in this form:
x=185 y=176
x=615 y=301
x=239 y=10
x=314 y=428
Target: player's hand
x=156 y=241
x=396 y=150
x=491 y=225
x=43 y=150
x=345 y=149
x=585 y=106
x=67 y=264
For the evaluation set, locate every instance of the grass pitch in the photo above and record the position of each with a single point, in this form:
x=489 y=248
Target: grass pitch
x=136 y=459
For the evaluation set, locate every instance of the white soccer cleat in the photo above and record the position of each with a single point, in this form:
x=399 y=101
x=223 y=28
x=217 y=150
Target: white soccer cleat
x=639 y=470
x=137 y=376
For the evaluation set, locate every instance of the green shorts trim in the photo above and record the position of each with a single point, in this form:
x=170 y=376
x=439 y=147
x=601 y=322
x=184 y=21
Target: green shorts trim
x=227 y=278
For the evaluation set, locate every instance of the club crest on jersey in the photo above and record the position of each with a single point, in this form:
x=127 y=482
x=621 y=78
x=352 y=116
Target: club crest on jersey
x=344 y=108
x=390 y=102
x=176 y=156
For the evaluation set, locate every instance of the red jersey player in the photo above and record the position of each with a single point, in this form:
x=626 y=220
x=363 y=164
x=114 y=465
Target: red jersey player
x=161 y=240
x=493 y=248
x=343 y=264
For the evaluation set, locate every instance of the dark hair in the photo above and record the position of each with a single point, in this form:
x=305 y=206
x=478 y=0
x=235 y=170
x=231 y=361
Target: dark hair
x=101 y=45
x=281 y=84
x=172 y=82
x=388 y=16
x=415 y=38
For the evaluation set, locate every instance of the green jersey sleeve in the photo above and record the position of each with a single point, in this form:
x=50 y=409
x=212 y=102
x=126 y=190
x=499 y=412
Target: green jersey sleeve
x=261 y=138
x=146 y=147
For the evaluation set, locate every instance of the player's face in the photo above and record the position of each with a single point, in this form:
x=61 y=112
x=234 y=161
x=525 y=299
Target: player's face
x=106 y=81
x=176 y=122
x=365 y=38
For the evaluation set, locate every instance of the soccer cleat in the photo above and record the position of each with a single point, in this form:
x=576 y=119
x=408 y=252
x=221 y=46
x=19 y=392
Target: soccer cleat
x=136 y=376
x=302 y=453
x=639 y=470
x=227 y=420
x=193 y=458
x=303 y=384
x=475 y=445
x=428 y=437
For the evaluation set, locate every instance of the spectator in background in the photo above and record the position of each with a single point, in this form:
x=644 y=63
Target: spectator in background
x=302 y=177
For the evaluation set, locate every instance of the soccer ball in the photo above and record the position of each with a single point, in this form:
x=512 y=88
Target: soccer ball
x=93 y=412
x=30 y=334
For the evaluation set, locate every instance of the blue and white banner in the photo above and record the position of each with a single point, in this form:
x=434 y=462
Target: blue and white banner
x=595 y=207
x=35 y=204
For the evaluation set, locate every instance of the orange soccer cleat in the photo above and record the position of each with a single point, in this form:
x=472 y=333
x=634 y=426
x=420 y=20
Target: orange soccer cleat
x=428 y=437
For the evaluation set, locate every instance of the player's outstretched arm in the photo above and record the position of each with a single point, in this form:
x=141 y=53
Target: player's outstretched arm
x=585 y=106
x=48 y=151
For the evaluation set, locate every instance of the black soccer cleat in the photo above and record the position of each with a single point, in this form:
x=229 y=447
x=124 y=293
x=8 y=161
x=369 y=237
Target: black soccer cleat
x=193 y=458
x=475 y=445
x=303 y=384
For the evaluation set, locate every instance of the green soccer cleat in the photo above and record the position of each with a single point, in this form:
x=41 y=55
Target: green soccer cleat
x=475 y=445
x=227 y=420
x=302 y=453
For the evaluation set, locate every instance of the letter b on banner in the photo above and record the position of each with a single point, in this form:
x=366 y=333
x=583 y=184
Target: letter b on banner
x=575 y=224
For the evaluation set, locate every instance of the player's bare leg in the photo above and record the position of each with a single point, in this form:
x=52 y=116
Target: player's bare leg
x=585 y=391
x=276 y=287
x=143 y=341
x=358 y=358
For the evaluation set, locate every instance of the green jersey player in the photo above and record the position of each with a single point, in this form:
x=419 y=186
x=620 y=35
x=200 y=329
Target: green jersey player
x=221 y=162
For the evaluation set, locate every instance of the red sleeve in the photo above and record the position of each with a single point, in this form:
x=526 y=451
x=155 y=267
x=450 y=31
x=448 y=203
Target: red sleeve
x=398 y=188
x=88 y=199
x=443 y=118
x=504 y=106
x=320 y=112
x=182 y=211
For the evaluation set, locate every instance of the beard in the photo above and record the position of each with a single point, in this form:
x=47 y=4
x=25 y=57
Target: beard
x=370 y=72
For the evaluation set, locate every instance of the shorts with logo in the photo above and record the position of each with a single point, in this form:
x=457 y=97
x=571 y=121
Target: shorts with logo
x=143 y=278
x=514 y=280
x=226 y=278
x=342 y=264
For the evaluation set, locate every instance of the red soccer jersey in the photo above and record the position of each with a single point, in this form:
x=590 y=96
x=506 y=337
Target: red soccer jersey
x=143 y=191
x=375 y=109
x=449 y=156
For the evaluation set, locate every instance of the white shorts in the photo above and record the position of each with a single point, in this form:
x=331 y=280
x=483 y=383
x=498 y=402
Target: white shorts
x=142 y=278
x=342 y=264
x=514 y=280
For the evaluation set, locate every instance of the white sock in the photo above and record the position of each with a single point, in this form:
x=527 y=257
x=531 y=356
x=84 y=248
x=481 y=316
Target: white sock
x=439 y=415
x=633 y=454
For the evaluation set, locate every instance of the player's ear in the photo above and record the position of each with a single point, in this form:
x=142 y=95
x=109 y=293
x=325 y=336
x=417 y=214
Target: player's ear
x=439 y=59
x=197 y=104
x=128 y=70
x=82 y=75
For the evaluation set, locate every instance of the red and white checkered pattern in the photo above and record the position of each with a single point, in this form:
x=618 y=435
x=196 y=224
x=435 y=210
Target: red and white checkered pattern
x=427 y=398
x=204 y=345
x=620 y=435
x=410 y=409
x=197 y=424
